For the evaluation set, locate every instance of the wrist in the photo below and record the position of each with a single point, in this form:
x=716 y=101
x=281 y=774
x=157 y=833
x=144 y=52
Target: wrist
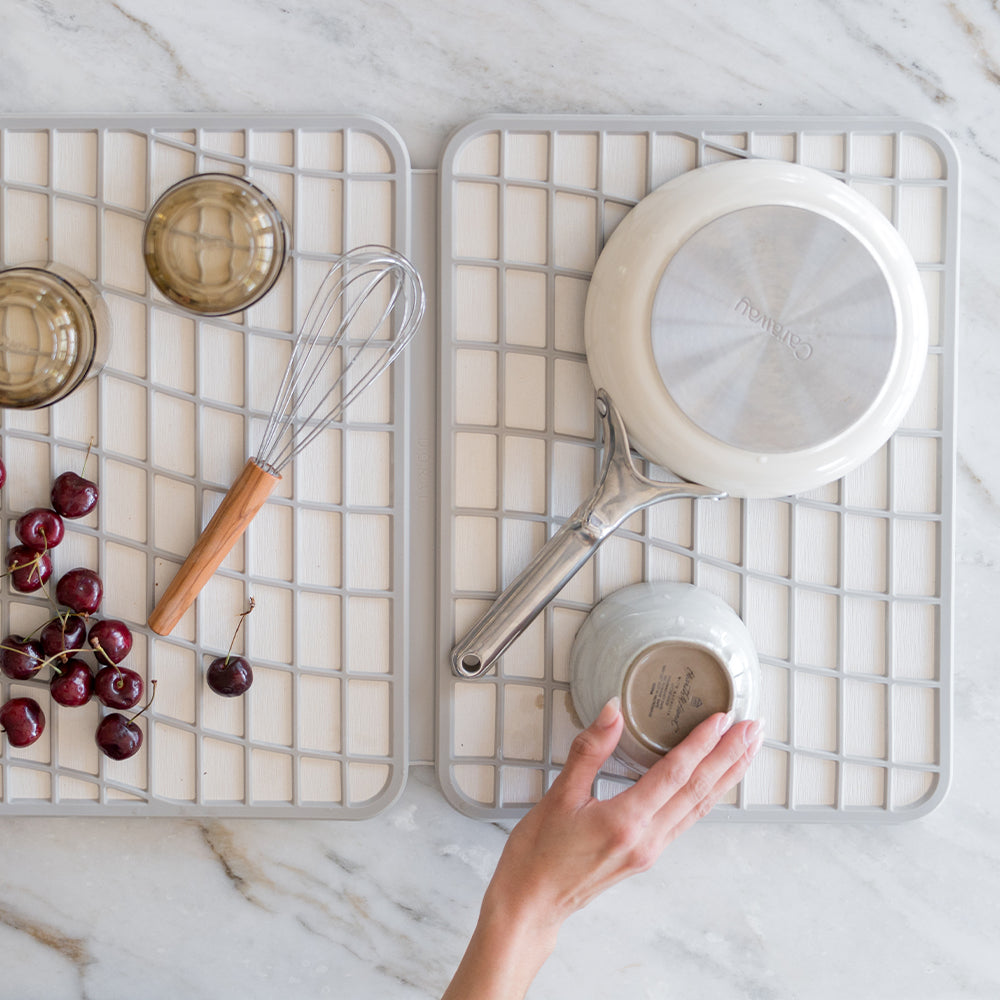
x=508 y=947
x=527 y=921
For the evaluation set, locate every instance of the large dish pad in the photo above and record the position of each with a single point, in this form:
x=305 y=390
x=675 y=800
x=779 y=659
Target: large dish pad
x=180 y=407
x=846 y=590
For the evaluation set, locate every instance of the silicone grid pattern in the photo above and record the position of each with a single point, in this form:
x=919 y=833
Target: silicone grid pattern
x=177 y=411
x=846 y=590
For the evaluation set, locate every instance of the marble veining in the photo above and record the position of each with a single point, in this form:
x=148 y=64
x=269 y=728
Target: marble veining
x=381 y=908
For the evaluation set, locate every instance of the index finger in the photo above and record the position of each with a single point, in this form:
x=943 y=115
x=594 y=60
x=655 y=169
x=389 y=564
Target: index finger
x=672 y=773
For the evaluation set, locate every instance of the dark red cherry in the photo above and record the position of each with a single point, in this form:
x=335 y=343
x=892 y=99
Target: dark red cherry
x=118 y=687
x=28 y=569
x=21 y=658
x=3 y=473
x=80 y=589
x=23 y=720
x=118 y=737
x=229 y=675
x=72 y=684
x=63 y=636
x=40 y=528
x=111 y=640
x=73 y=496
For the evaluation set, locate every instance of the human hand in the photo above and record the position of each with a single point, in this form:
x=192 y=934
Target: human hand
x=571 y=846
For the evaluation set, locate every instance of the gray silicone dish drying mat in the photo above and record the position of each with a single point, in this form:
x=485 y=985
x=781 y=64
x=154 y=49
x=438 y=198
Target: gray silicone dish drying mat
x=846 y=590
x=180 y=407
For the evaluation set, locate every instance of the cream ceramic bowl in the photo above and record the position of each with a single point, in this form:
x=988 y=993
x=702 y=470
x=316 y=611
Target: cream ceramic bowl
x=675 y=654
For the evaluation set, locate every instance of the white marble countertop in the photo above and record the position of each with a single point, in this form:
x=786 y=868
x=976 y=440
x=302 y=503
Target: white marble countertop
x=161 y=908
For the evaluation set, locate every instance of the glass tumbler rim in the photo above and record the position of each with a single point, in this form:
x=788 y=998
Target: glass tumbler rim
x=198 y=297
x=46 y=277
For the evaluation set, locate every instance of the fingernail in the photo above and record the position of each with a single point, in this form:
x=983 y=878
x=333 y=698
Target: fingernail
x=725 y=722
x=754 y=733
x=609 y=713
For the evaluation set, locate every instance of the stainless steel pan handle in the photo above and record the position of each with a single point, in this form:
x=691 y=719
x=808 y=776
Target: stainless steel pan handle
x=619 y=493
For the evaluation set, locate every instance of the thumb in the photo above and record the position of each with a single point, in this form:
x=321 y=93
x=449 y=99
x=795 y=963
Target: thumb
x=590 y=749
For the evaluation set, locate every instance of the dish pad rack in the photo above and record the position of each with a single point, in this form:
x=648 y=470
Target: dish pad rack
x=846 y=590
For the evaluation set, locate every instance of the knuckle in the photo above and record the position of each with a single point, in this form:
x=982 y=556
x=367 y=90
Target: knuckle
x=741 y=767
x=622 y=837
x=700 y=787
x=677 y=771
x=642 y=857
x=584 y=744
x=704 y=806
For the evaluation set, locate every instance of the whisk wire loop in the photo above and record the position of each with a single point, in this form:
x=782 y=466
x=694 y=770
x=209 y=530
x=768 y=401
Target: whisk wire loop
x=341 y=356
x=293 y=387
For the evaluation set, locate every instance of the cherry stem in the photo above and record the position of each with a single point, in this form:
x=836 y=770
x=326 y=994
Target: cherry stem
x=152 y=695
x=43 y=587
x=64 y=655
x=52 y=602
x=86 y=457
x=60 y=616
x=119 y=682
x=37 y=628
x=11 y=649
x=36 y=563
x=239 y=624
x=95 y=645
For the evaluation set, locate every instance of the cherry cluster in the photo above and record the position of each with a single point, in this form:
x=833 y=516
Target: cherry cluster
x=72 y=633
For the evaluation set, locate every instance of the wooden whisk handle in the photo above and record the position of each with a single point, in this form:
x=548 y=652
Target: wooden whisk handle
x=239 y=506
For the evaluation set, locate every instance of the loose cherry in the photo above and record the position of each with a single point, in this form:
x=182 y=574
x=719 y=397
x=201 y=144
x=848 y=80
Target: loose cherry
x=80 y=589
x=118 y=687
x=118 y=736
x=63 y=635
x=23 y=720
x=73 y=685
x=111 y=640
x=231 y=675
x=28 y=569
x=73 y=496
x=40 y=529
x=20 y=657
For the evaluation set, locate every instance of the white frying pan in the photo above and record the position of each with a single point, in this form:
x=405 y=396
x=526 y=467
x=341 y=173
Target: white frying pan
x=756 y=327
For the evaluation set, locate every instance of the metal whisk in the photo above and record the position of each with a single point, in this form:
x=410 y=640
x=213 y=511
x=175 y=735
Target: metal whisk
x=345 y=342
